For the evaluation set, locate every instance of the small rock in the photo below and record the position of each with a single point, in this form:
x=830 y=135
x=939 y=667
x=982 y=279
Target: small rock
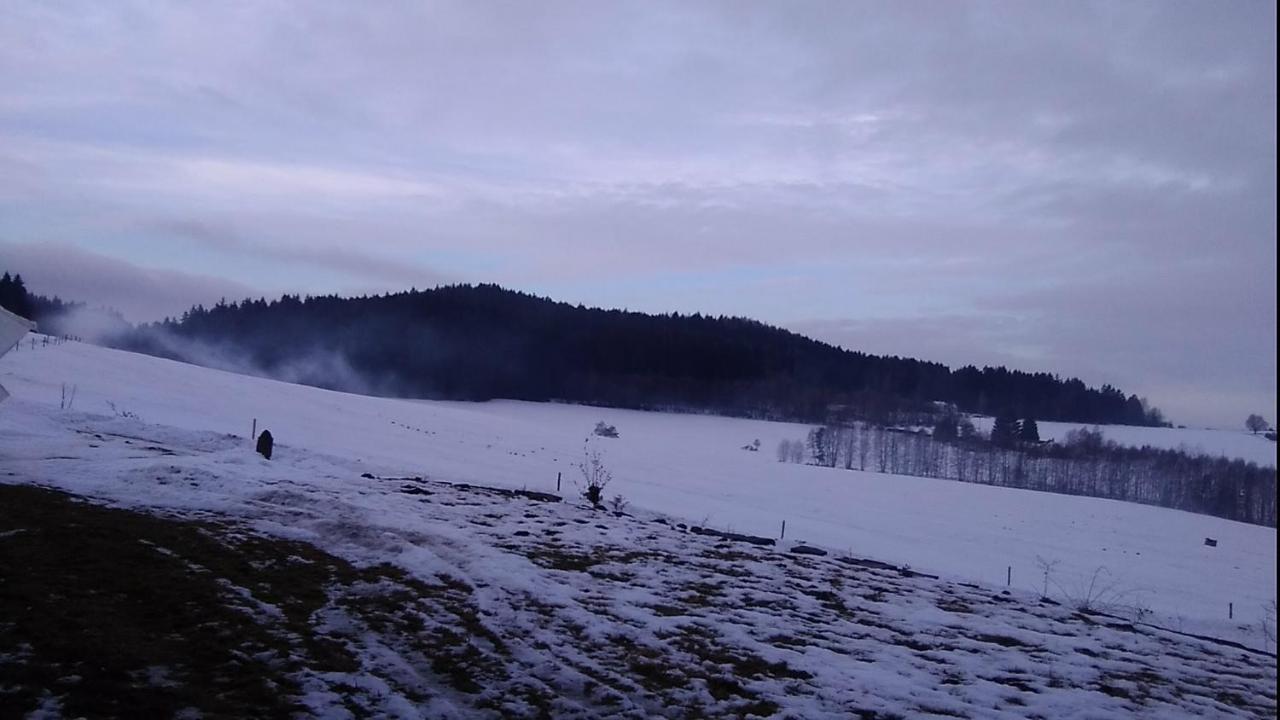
x=265 y=444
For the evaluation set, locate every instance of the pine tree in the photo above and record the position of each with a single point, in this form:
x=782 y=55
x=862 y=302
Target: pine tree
x=1028 y=431
x=946 y=429
x=1005 y=431
x=817 y=445
x=14 y=296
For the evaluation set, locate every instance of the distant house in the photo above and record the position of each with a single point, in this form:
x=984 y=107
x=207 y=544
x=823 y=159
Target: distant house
x=12 y=328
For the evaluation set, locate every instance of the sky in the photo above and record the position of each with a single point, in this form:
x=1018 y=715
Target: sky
x=1079 y=188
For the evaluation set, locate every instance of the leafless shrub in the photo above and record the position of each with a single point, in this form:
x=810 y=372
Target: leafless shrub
x=595 y=476
x=1139 y=610
x=1046 y=569
x=118 y=412
x=1100 y=592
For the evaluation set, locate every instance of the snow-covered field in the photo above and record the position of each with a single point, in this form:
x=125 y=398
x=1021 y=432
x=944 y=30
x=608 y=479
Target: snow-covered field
x=465 y=603
x=694 y=467
x=1199 y=441
x=470 y=603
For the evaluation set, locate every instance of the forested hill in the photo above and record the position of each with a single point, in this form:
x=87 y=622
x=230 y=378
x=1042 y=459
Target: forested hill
x=480 y=342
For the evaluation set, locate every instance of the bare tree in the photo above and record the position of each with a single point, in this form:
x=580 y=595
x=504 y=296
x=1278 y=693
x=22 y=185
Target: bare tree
x=797 y=452
x=784 y=450
x=1257 y=424
x=1046 y=569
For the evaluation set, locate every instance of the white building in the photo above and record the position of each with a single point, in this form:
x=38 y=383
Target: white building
x=12 y=328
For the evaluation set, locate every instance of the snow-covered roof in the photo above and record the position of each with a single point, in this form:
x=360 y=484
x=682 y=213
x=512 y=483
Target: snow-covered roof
x=12 y=328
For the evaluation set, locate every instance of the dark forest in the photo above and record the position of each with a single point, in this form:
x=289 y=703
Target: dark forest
x=482 y=342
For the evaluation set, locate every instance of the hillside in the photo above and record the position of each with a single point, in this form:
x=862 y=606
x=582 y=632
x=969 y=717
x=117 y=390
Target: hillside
x=320 y=586
x=693 y=466
x=484 y=342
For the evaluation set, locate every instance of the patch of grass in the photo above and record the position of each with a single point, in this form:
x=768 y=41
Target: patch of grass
x=1015 y=681
x=910 y=642
x=663 y=610
x=1115 y=691
x=1234 y=699
x=954 y=606
x=786 y=641
x=1002 y=640
x=947 y=712
x=122 y=614
x=103 y=595
x=656 y=675
x=704 y=645
x=555 y=556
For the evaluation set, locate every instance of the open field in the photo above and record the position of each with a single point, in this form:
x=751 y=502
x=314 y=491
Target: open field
x=309 y=586
x=689 y=466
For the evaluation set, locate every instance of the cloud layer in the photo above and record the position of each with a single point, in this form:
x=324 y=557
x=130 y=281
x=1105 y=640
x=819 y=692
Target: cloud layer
x=1086 y=188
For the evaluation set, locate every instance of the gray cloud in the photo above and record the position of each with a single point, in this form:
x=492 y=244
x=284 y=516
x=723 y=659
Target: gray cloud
x=1047 y=182
x=140 y=294
x=290 y=254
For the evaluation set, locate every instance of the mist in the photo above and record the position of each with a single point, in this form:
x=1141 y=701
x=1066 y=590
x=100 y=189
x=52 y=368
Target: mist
x=318 y=367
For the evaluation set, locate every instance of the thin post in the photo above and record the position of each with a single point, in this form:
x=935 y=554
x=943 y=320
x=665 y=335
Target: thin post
x=784 y=530
x=557 y=482
x=1231 y=611
x=1008 y=579
x=254 y=434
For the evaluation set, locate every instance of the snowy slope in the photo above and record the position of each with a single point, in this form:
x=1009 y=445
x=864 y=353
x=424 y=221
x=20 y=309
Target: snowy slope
x=514 y=608
x=1202 y=441
x=693 y=467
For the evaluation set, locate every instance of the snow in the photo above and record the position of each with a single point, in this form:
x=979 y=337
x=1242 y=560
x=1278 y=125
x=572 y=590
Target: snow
x=12 y=328
x=585 y=602
x=691 y=466
x=1239 y=444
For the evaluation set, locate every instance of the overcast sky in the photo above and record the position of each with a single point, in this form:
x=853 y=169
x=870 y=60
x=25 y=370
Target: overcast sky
x=1087 y=189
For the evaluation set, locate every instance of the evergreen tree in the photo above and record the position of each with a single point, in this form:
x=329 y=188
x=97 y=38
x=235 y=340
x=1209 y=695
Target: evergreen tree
x=1028 y=431
x=818 y=445
x=946 y=429
x=1005 y=431
x=14 y=296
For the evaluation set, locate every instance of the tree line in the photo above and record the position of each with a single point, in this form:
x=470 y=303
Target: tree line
x=1085 y=464
x=480 y=342
x=53 y=315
